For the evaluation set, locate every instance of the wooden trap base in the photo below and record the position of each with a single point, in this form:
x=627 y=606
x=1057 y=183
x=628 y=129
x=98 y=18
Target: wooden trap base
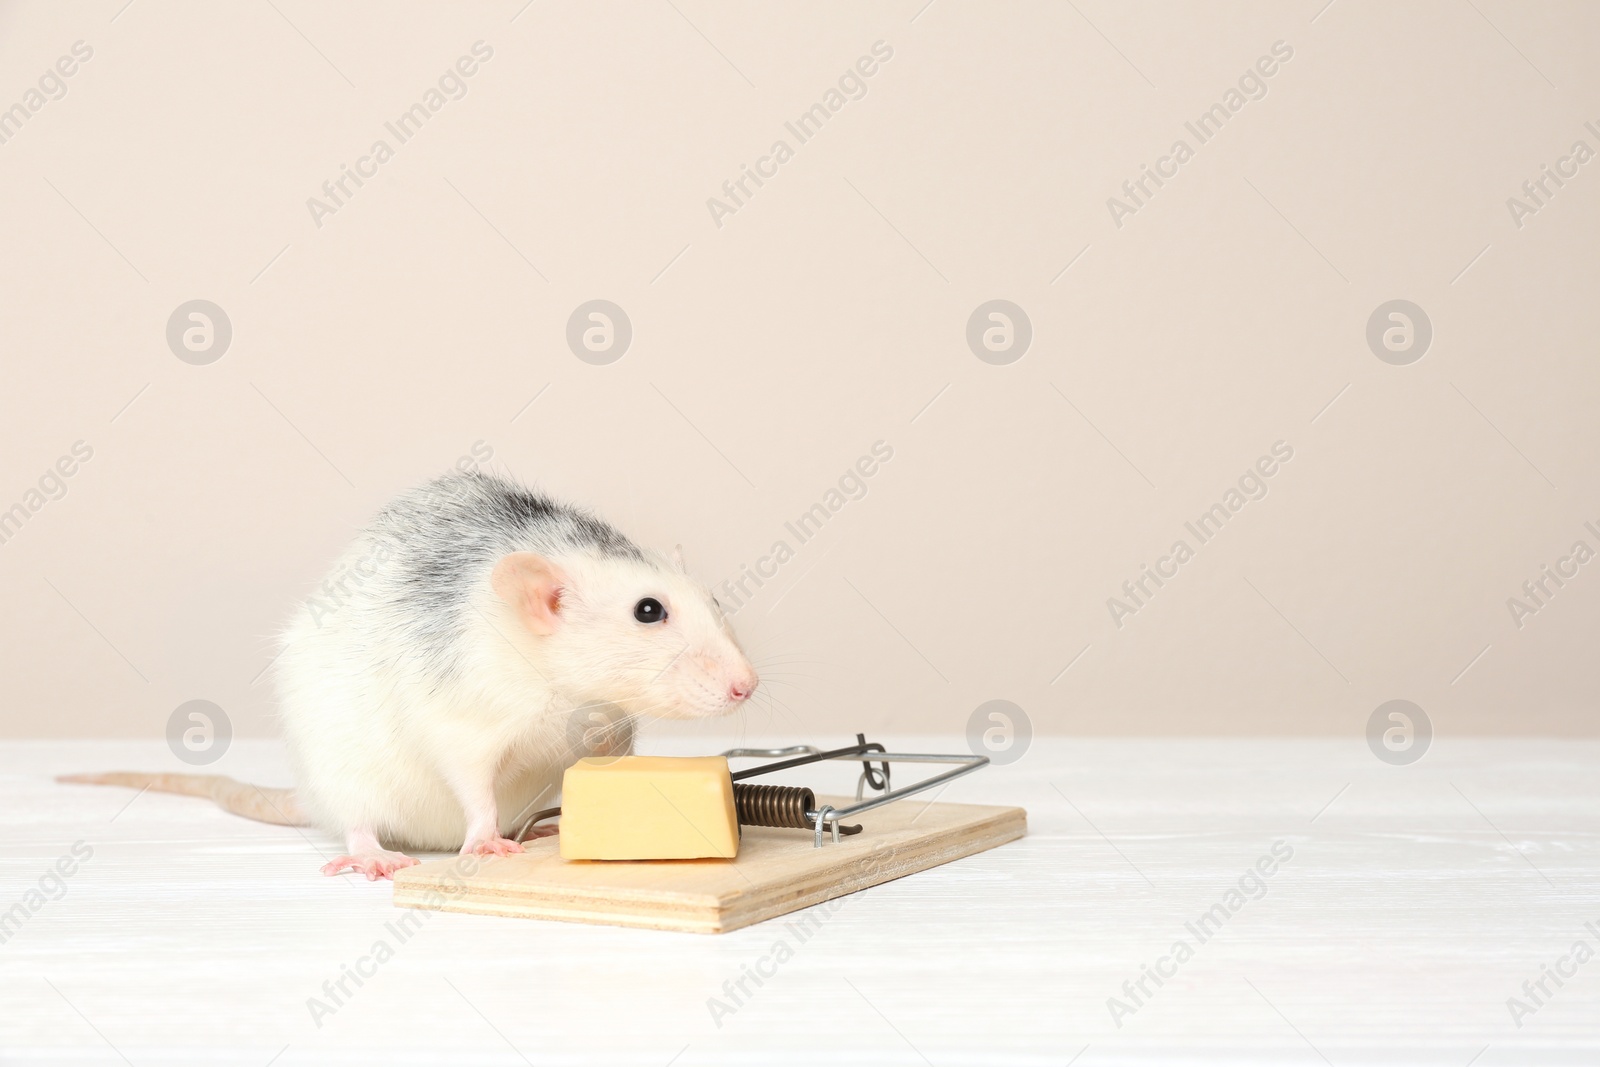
x=777 y=872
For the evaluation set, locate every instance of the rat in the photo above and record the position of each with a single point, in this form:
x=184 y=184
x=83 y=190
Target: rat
x=475 y=640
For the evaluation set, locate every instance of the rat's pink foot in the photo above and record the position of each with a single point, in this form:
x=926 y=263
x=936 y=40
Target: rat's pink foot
x=368 y=857
x=491 y=846
x=374 y=866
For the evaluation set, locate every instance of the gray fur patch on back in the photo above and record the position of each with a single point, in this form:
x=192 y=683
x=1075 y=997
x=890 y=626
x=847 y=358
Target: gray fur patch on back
x=444 y=534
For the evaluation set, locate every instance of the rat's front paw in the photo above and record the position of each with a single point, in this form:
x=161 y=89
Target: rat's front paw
x=491 y=846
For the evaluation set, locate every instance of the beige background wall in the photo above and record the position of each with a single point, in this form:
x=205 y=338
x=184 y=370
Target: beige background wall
x=829 y=312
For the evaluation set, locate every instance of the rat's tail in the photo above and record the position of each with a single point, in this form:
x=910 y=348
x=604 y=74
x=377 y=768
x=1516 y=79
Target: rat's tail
x=253 y=802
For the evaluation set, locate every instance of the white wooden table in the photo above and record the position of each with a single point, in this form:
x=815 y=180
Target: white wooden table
x=1416 y=902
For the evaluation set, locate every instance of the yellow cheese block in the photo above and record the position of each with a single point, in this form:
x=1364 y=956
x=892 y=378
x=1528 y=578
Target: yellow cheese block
x=648 y=808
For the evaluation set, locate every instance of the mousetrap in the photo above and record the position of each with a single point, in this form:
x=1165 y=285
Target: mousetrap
x=794 y=848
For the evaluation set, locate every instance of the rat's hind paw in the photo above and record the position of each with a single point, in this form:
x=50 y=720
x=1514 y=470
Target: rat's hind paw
x=368 y=857
x=374 y=865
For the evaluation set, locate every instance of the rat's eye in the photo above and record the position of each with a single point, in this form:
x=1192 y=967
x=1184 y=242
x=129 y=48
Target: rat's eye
x=649 y=610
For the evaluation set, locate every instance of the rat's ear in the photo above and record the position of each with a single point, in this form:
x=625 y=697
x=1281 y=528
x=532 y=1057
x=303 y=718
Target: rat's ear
x=532 y=585
x=677 y=559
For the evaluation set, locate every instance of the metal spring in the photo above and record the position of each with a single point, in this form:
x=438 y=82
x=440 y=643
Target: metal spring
x=788 y=806
x=773 y=805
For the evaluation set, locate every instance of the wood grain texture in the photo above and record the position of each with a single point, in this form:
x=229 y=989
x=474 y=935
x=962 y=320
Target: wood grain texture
x=1418 y=900
x=777 y=872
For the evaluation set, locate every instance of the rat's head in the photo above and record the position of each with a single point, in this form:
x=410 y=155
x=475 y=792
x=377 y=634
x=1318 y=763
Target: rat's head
x=637 y=632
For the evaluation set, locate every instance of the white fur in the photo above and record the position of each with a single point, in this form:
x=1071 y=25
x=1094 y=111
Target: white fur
x=385 y=741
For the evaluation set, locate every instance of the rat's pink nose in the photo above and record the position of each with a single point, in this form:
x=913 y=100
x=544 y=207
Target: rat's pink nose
x=741 y=688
